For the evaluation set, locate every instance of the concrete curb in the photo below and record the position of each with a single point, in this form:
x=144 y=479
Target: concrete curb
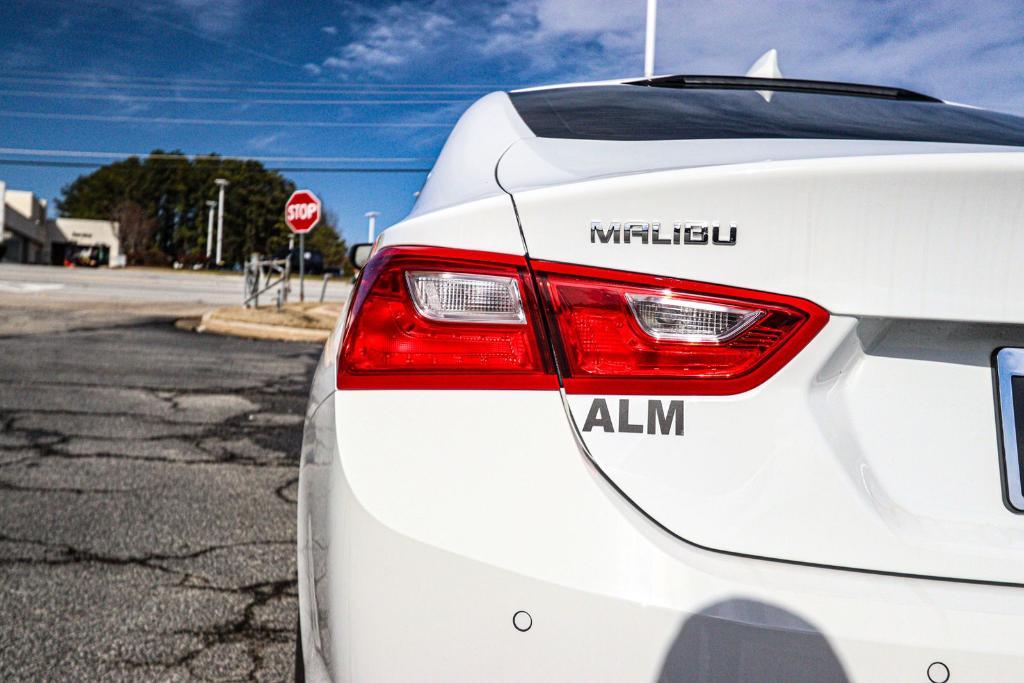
x=236 y=328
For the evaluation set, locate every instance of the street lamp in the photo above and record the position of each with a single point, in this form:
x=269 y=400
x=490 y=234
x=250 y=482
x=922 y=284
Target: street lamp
x=210 y=204
x=221 y=183
x=372 y=215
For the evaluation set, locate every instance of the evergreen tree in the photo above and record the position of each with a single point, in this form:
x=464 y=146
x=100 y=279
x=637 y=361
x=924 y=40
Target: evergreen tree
x=166 y=193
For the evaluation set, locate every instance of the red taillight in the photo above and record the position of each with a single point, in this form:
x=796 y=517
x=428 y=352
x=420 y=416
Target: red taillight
x=625 y=333
x=445 y=319
x=434 y=318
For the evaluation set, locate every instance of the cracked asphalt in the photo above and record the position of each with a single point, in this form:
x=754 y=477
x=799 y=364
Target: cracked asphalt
x=147 y=510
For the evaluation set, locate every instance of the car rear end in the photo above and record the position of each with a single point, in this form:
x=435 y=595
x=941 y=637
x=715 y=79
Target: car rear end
x=697 y=383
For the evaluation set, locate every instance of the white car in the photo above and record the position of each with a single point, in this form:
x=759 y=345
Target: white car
x=681 y=379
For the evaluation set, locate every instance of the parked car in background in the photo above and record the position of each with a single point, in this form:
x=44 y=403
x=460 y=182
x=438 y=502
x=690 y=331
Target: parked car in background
x=314 y=260
x=687 y=378
x=87 y=256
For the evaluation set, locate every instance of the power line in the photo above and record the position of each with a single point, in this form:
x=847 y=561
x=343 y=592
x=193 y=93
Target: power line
x=213 y=122
x=78 y=77
x=50 y=164
x=150 y=15
x=295 y=89
x=282 y=169
x=96 y=154
x=217 y=100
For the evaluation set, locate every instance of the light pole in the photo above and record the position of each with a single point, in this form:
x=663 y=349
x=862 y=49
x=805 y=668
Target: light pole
x=652 y=24
x=210 y=204
x=372 y=215
x=221 y=183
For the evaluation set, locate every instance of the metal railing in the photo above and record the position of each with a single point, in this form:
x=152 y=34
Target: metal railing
x=323 y=290
x=263 y=275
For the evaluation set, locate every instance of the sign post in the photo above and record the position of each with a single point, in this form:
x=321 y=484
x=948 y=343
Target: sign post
x=302 y=213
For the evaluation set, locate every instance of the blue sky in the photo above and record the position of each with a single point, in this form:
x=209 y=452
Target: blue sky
x=379 y=84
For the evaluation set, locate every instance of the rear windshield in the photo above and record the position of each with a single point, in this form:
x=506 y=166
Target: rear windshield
x=632 y=112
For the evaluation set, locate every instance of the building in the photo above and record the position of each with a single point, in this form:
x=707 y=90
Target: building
x=84 y=240
x=25 y=236
x=28 y=236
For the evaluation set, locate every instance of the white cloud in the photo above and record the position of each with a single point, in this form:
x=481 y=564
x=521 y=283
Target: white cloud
x=396 y=35
x=219 y=17
x=263 y=142
x=576 y=17
x=312 y=69
x=965 y=51
x=330 y=30
x=505 y=20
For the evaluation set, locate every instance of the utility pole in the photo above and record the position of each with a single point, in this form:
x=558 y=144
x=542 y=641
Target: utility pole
x=652 y=24
x=372 y=215
x=302 y=266
x=210 y=204
x=221 y=183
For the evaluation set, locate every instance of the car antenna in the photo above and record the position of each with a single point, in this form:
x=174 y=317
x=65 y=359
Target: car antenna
x=766 y=66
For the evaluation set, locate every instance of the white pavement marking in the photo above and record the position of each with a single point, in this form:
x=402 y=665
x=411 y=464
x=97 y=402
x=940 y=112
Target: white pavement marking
x=28 y=287
x=140 y=285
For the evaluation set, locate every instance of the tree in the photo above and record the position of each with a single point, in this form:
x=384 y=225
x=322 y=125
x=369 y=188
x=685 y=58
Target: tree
x=161 y=201
x=324 y=239
x=134 y=229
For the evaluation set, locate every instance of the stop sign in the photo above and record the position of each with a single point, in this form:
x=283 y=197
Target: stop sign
x=302 y=211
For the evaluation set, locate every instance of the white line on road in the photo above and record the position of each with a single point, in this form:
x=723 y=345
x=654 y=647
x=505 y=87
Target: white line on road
x=28 y=287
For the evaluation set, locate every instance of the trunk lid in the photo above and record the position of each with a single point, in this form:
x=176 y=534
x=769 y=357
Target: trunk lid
x=877 y=446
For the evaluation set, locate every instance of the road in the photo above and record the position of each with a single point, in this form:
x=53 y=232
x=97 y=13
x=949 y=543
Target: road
x=147 y=483
x=51 y=283
x=84 y=298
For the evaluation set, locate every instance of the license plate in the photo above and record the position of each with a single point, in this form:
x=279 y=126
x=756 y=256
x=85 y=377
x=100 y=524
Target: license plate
x=1010 y=388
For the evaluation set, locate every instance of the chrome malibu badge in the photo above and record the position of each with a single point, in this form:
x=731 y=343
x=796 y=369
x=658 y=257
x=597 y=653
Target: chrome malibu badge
x=681 y=232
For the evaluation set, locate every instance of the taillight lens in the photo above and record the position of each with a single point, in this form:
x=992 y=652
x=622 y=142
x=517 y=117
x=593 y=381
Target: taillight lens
x=445 y=319
x=625 y=333
x=431 y=318
x=467 y=297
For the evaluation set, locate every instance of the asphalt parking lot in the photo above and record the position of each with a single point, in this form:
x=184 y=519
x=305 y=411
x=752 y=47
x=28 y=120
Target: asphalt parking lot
x=147 y=483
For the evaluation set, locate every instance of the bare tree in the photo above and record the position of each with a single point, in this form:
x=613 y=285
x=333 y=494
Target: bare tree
x=134 y=228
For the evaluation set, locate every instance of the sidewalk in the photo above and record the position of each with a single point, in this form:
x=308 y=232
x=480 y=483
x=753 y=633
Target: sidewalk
x=305 y=322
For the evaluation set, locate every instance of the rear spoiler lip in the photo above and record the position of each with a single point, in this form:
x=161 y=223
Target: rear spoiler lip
x=783 y=85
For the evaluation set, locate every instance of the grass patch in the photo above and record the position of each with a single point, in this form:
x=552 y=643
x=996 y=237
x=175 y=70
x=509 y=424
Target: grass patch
x=307 y=315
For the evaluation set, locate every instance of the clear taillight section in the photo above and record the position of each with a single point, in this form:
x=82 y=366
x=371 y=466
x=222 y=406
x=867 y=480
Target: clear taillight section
x=675 y=318
x=466 y=297
x=440 y=318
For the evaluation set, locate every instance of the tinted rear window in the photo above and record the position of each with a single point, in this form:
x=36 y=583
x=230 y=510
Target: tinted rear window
x=630 y=112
